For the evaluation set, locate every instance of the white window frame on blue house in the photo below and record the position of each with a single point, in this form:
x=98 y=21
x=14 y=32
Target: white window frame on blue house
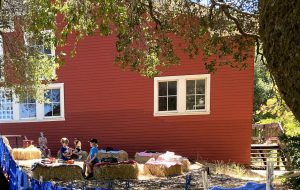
x=40 y=115
x=181 y=95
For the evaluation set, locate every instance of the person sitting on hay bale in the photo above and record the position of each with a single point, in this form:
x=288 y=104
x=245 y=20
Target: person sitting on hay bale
x=43 y=145
x=77 y=153
x=65 y=151
x=91 y=160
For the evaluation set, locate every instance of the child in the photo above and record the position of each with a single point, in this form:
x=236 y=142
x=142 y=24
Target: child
x=43 y=145
x=65 y=151
x=77 y=153
x=92 y=159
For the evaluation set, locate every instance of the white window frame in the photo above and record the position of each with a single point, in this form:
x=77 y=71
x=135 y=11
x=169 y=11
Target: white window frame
x=39 y=108
x=27 y=118
x=181 y=95
x=59 y=86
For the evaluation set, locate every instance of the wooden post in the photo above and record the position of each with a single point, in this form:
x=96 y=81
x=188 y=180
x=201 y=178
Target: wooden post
x=270 y=174
x=204 y=179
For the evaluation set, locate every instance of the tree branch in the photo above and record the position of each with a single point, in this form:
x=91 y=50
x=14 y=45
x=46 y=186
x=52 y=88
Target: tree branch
x=150 y=7
x=225 y=8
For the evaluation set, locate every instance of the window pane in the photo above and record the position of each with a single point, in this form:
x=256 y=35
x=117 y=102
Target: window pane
x=6 y=110
x=200 y=101
x=190 y=87
x=55 y=95
x=190 y=102
x=23 y=111
x=162 y=104
x=172 y=87
x=162 y=88
x=48 y=110
x=56 y=109
x=172 y=103
x=200 y=86
x=48 y=95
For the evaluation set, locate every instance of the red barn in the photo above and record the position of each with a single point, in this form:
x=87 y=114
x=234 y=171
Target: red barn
x=185 y=110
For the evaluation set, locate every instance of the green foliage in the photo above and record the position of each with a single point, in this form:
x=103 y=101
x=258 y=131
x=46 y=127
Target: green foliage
x=291 y=150
x=293 y=182
x=275 y=110
x=263 y=90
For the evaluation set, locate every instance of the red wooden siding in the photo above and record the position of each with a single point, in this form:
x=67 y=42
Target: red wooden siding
x=116 y=106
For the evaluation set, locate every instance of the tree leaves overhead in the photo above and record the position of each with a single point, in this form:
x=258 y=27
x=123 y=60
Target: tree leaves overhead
x=145 y=30
x=222 y=33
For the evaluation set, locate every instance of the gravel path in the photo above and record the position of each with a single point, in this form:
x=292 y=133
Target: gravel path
x=171 y=183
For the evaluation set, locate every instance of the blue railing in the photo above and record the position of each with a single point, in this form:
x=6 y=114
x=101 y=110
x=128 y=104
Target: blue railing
x=19 y=179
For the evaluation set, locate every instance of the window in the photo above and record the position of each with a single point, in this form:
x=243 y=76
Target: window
x=6 y=105
x=52 y=104
x=182 y=95
x=195 y=94
x=167 y=96
x=30 y=110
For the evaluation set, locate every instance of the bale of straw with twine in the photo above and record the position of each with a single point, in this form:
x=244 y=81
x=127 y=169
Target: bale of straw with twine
x=143 y=157
x=28 y=153
x=120 y=171
x=120 y=155
x=61 y=172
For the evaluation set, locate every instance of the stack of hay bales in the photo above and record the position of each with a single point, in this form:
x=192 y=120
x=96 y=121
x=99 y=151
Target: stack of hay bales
x=59 y=172
x=143 y=157
x=111 y=171
x=162 y=168
x=120 y=155
x=170 y=156
x=28 y=153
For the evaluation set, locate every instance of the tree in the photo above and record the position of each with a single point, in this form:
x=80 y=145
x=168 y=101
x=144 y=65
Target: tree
x=145 y=29
x=22 y=64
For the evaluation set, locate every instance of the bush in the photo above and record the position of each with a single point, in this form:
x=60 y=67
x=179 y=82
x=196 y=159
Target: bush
x=291 y=150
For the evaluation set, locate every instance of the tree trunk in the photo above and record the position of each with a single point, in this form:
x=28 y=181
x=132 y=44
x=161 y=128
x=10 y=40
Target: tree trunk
x=280 y=35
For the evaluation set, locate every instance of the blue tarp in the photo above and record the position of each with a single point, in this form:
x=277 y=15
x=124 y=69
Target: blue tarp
x=248 y=186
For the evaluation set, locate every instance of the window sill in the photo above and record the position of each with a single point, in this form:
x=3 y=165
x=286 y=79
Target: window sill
x=158 y=114
x=33 y=120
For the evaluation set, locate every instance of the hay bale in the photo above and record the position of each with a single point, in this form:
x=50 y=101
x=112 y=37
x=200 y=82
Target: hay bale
x=28 y=153
x=143 y=157
x=162 y=169
x=58 y=172
x=120 y=171
x=120 y=155
x=185 y=164
x=171 y=157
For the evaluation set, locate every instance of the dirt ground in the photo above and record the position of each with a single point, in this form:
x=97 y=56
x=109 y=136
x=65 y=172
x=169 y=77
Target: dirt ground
x=227 y=178
x=177 y=182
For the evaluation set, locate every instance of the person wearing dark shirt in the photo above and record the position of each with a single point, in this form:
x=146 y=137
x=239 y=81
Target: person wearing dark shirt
x=65 y=151
x=77 y=153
